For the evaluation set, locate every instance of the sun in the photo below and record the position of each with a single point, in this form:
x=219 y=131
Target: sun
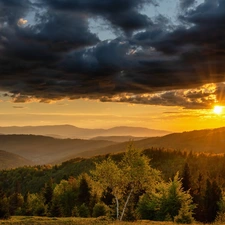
x=218 y=109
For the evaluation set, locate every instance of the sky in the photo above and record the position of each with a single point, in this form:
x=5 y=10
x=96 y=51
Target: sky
x=105 y=63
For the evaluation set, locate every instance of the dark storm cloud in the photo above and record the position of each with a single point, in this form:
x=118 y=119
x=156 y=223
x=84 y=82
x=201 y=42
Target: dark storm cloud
x=184 y=4
x=123 y=14
x=60 y=31
x=48 y=52
x=11 y=10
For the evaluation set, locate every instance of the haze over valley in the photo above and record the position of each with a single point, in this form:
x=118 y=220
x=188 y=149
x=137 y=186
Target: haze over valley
x=39 y=149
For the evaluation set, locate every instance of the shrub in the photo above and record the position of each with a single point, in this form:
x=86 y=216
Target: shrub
x=100 y=209
x=83 y=211
x=184 y=216
x=75 y=212
x=4 y=208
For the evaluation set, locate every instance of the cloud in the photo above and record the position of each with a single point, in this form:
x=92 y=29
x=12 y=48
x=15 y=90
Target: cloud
x=199 y=98
x=124 y=15
x=48 y=52
x=18 y=107
x=184 y=4
x=21 y=22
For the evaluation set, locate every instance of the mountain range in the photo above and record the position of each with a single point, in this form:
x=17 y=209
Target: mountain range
x=45 y=150
x=68 y=131
x=38 y=149
x=207 y=141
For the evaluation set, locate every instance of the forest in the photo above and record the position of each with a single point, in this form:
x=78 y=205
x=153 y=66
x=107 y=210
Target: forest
x=154 y=184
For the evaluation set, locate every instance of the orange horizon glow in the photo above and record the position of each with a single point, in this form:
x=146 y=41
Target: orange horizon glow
x=95 y=114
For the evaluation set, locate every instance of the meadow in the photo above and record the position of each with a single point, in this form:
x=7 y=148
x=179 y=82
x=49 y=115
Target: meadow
x=35 y=220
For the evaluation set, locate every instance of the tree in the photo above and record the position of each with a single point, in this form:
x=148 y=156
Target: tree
x=130 y=176
x=48 y=192
x=16 y=202
x=56 y=209
x=167 y=202
x=34 y=205
x=137 y=172
x=109 y=176
x=177 y=203
x=213 y=196
x=107 y=196
x=84 y=191
x=4 y=206
x=186 y=178
x=66 y=194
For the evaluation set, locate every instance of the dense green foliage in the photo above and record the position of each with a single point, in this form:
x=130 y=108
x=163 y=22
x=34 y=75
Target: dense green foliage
x=69 y=190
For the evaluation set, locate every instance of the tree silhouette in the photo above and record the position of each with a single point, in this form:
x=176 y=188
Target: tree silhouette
x=186 y=178
x=212 y=197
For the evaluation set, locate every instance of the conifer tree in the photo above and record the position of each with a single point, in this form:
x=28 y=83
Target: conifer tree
x=55 y=210
x=198 y=198
x=48 y=192
x=186 y=178
x=84 y=191
x=213 y=196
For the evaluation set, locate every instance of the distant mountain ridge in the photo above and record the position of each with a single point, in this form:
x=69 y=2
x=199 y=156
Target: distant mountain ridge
x=45 y=150
x=48 y=150
x=118 y=138
x=69 y=131
x=208 y=141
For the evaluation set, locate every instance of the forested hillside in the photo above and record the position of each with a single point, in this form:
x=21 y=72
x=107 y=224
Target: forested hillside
x=208 y=141
x=69 y=189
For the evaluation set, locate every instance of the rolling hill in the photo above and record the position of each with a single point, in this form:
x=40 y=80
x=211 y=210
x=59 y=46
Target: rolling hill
x=44 y=150
x=118 y=139
x=209 y=141
x=68 y=131
x=48 y=150
x=9 y=160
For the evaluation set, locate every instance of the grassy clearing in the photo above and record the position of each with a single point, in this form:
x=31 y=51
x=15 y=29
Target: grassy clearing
x=34 y=220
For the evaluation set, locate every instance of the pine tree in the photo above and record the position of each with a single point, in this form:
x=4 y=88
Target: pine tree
x=186 y=178
x=198 y=198
x=56 y=210
x=212 y=197
x=175 y=202
x=48 y=192
x=84 y=192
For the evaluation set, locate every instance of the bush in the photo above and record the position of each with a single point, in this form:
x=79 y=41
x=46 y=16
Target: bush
x=184 y=216
x=147 y=208
x=83 y=211
x=4 y=209
x=100 y=209
x=75 y=212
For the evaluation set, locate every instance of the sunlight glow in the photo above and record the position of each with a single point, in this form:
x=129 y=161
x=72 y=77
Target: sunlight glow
x=218 y=110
